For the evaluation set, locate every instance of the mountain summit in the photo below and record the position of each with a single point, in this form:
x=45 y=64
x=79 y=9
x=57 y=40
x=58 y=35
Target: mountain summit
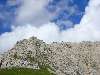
x=65 y=58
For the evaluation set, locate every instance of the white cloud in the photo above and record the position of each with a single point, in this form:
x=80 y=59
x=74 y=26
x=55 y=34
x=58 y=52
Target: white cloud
x=33 y=12
x=87 y=30
x=47 y=32
x=7 y=40
x=89 y=27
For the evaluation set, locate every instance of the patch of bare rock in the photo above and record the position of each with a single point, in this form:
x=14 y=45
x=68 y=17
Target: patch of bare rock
x=65 y=58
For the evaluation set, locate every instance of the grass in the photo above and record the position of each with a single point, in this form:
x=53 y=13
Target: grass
x=24 y=71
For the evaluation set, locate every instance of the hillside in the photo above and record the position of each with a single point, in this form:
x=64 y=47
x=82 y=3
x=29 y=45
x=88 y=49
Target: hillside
x=65 y=58
x=24 y=71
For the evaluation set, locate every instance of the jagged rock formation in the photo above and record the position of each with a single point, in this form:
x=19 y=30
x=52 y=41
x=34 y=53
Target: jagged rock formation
x=64 y=58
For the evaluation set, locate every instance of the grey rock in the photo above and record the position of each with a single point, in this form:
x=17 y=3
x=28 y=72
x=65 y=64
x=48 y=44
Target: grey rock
x=65 y=58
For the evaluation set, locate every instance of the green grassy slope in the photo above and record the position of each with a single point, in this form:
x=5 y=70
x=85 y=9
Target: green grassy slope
x=24 y=71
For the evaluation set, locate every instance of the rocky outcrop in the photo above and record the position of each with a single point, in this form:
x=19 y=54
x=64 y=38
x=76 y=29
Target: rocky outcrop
x=64 y=58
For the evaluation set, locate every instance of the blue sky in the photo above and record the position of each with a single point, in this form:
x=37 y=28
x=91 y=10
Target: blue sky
x=49 y=20
x=64 y=15
x=8 y=14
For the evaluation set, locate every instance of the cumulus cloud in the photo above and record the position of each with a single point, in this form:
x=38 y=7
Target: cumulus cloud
x=89 y=27
x=33 y=12
x=87 y=30
x=37 y=12
x=48 y=32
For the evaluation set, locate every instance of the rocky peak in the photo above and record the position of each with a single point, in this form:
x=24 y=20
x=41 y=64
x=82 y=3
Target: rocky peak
x=65 y=58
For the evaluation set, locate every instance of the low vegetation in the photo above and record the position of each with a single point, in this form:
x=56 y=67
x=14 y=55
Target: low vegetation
x=24 y=71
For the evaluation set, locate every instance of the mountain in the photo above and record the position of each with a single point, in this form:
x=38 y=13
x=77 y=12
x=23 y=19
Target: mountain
x=62 y=58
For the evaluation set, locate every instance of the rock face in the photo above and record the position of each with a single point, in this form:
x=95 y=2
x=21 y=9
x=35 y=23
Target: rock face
x=64 y=58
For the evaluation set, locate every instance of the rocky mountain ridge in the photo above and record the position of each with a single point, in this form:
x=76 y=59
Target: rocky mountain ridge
x=63 y=58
